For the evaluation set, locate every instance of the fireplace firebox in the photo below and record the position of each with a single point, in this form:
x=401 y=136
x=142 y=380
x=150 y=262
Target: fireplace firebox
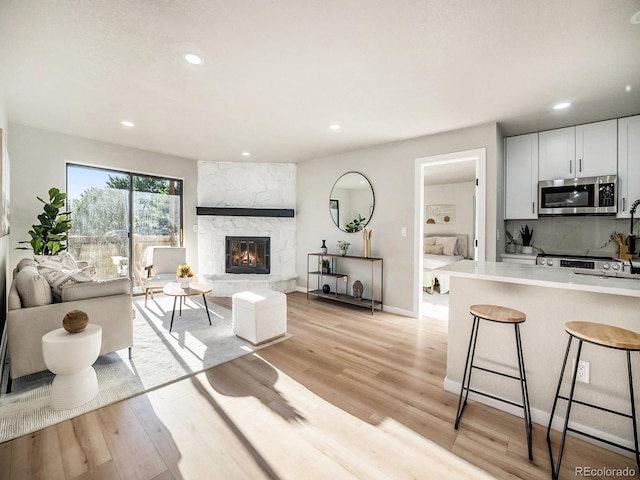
x=248 y=255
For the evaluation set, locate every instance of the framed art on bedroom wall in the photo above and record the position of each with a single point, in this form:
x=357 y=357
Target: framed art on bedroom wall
x=440 y=214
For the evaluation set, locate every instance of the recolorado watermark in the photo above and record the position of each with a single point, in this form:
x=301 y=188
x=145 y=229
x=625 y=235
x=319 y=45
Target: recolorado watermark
x=605 y=472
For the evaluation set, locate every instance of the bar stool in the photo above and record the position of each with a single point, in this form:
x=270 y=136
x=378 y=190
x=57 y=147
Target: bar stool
x=605 y=336
x=494 y=313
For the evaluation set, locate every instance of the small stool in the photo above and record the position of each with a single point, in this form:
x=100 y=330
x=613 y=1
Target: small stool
x=259 y=315
x=70 y=356
x=605 y=336
x=494 y=313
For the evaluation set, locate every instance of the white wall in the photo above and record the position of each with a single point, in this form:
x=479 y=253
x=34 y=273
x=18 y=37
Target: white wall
x=460 y=195
x=38 y=159
x=390 y=169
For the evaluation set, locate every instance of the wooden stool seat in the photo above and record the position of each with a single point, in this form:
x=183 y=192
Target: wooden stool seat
x=605 y=335
x=496 y=313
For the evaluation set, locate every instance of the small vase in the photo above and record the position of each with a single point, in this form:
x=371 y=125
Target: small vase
x=366 y=250
x=323 y=248
x=184 y=282
x=343 y=252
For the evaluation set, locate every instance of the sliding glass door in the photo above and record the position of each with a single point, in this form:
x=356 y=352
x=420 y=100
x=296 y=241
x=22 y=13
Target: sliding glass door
x=116 y=215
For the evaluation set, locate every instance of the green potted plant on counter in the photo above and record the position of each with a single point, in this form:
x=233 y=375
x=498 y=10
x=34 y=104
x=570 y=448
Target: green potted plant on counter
x=526 y=234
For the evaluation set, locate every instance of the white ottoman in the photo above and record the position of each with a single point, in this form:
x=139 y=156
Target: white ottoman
x=70 y=356
x=259 y=315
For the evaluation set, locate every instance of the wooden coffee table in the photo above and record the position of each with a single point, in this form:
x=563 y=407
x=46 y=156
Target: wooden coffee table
x=174 y=290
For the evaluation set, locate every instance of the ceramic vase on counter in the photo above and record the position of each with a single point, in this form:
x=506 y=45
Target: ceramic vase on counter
x=323 y=248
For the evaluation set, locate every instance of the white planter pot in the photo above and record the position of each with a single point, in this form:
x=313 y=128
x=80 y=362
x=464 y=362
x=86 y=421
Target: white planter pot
x=184 y=281
x=527 y=250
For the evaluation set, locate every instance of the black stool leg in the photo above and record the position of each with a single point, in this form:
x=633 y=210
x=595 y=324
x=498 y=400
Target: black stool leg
x=633 y=410
x=468 y=366
x=555 y=470
x=525 y=392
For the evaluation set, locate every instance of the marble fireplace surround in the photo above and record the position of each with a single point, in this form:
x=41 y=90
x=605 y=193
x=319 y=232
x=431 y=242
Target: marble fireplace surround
x=265 y=197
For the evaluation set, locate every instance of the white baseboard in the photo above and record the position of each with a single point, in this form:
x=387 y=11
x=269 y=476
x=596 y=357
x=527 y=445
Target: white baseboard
x=386 y=308
x=542 y=418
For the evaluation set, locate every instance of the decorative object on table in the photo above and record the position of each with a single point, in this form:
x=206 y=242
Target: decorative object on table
x=343 y=247
x=526 y=234
x=357 y=290
x=326 y=288
x=75 y=321
x=50 y=237
x=631 y=239
x=356 y=224
x=366 y=248
x=326 y=265
x=511 y=246
x=440 y=214
x=184 y=275
x=623 y=254
x=323 y=248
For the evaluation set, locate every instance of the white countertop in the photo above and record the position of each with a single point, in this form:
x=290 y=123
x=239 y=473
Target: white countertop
x=541 y=276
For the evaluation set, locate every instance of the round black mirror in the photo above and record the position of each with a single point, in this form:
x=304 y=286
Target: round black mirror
x=351 y=202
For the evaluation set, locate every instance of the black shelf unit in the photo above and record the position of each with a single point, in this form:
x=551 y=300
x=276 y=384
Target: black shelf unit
x=372 y=303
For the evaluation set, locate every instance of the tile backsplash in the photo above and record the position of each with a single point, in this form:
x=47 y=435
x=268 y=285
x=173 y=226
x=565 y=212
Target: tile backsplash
x=588 y=235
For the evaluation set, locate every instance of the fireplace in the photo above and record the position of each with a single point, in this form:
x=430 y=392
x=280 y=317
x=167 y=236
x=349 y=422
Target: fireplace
x=248 y=255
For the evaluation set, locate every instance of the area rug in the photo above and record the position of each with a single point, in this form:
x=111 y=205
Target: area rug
x=158 y=358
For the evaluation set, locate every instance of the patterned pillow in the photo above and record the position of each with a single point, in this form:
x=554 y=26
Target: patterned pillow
x=58 y=278
x=63 y=260
x=436 y=249
x=449 y=244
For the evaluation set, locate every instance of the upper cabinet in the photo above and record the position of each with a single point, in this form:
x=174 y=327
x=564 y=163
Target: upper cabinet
x=586 y=150
x=628 y=163
x=521 y=177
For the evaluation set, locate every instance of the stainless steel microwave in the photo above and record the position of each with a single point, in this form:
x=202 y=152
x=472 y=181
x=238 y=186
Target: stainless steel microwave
x=579 y=196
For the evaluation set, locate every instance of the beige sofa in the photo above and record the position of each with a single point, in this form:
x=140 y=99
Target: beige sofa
x=108 y=304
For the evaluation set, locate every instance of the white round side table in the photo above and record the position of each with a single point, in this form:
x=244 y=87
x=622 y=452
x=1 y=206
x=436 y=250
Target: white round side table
x=70 y=356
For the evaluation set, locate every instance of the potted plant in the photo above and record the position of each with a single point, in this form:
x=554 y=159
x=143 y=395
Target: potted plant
x=326 y=266
x=184 y=274
x=511 y=242
x=526 y=234
x=343 y=247
x=50 y=237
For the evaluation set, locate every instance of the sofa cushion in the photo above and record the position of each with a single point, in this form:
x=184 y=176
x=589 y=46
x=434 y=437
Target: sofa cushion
x=25 y=262
x=58 y=278
x=81 y=291
x=33 y=289
x=63 y=260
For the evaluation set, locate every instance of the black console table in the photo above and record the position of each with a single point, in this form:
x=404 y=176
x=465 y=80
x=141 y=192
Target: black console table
x=314 y=268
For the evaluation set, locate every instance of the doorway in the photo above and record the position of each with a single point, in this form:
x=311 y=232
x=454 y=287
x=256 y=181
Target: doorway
x=452 y=168
x=116 y=215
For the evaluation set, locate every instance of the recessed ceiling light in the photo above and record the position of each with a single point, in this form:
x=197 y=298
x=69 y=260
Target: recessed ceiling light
x=334 y=127
x=628 y=88
x=635 y=19
x=561 y=106
x=193 y=59
x=127 y=123
x=246 y=154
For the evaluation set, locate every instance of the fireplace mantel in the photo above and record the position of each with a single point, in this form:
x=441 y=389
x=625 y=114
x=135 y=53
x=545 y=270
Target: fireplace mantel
x=246 y=212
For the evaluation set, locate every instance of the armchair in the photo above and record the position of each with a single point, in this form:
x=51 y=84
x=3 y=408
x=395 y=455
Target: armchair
x=164 y=263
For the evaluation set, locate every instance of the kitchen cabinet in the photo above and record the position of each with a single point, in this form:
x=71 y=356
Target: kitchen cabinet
x=587 y=150
x=628 y=164
x=521 y=177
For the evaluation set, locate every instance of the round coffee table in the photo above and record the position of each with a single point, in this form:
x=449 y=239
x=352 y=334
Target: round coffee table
x=70 y=356
x=174 y=290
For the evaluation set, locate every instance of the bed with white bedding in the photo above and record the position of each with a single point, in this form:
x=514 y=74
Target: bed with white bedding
x=438 y=251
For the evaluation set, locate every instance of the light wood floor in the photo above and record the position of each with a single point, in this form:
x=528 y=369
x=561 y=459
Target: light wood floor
x=349 y=396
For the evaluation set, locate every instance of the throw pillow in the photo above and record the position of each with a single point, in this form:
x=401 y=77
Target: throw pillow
x=429 y=240
x=63 y=260
x=436 y=249
x=58 y=278
x=449 y=244
x=33 y=289
x=25 y=262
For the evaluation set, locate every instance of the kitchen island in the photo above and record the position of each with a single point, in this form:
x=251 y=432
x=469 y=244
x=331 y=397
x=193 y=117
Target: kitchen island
x=549 y=297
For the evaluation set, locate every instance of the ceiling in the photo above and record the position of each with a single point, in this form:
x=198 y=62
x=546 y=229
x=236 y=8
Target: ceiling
x=276 y=74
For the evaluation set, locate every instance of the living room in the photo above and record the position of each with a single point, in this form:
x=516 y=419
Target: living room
x=384 y=150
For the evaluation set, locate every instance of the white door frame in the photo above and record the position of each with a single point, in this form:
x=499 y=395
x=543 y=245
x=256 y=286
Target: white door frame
x=479 y=243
